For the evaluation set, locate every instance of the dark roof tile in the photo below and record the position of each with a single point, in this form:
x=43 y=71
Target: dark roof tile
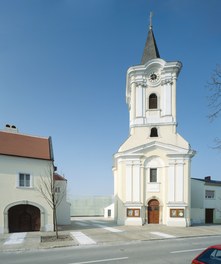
x=150 y=49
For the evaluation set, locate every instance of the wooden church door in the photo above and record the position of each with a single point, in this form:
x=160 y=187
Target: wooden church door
x=153 y=212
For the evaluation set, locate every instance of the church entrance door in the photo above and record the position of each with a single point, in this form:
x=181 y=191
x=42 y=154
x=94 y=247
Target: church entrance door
x=153 y=211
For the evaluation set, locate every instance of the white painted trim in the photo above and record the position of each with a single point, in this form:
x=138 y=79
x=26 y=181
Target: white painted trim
x=24 y=187
x=128 y=182
x=171 y=185
x=179 y=183
x=136 y=183
x=139 y=101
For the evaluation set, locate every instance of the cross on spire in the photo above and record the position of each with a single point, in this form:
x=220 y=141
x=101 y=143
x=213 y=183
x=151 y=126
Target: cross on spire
x=151 y=16
x=150 y=50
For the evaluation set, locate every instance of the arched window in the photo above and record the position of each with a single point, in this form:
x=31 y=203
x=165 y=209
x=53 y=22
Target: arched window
x=153 y=132
x=153 y=101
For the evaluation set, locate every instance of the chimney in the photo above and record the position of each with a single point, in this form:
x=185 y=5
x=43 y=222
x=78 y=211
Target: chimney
x=11 y=128
x=207 y=178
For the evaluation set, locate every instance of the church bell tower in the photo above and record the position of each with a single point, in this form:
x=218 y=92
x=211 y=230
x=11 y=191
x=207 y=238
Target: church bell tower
x=151 y=90
x=152 y=167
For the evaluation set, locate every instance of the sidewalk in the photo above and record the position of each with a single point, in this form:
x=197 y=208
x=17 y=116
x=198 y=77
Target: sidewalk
x=32 y=241
x=103 y=235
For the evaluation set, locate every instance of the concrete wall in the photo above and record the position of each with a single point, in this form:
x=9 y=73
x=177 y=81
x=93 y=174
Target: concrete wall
x=89 y=205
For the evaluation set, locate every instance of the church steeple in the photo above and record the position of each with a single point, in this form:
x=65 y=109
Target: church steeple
x=150 y=49
x=152 y=167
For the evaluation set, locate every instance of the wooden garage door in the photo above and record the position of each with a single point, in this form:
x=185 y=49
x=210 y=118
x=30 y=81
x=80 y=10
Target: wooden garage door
x=23 y=218
x=153 y=212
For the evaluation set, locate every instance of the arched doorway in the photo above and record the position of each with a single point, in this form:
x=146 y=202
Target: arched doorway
x=153 y=211
x=23 y=218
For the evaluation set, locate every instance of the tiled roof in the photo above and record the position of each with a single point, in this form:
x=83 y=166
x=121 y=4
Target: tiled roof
x=58 y=177
x=15 y=144
x=150 y=49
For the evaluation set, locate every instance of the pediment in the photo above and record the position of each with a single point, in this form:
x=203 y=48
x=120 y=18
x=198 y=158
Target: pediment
x=169 y=149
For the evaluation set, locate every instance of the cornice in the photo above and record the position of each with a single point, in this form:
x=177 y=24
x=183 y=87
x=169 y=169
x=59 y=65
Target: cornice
x=138 y=152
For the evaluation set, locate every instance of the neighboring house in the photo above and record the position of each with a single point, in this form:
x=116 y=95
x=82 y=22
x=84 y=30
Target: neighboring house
x=63 y=209
x=24 y=161
x=152 y=167
x=205 y=201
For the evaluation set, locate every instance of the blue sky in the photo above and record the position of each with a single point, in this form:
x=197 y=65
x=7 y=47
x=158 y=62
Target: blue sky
x=63 y=70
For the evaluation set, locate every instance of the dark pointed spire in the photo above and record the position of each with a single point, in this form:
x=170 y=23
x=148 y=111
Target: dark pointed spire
x=150 y=49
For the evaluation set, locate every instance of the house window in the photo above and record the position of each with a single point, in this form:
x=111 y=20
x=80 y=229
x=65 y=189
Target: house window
x=153 y=175
x=209 y=194
x=153 y=132
x=153 y=101
x=133 y=212
x=24 y=180
x=57 y=189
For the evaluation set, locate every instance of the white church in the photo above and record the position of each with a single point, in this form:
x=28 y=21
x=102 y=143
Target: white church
x=152 y=181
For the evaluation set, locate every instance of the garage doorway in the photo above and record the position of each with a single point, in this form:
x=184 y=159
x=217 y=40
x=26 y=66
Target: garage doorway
x=209 y=216
x=23 y=218
x=153 y=211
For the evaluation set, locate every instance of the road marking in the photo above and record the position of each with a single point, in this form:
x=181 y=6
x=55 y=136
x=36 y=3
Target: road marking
x=100 y=260
x=15 y=238
x=111 y=229
x=82 y=238
x=187 y=250
x=162 y=234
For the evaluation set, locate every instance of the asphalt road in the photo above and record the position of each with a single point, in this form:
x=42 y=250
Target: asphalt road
x=169 y=251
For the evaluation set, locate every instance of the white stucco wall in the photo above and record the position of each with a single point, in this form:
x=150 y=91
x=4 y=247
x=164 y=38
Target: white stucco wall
x=197 y=194
x=109 y=210
x=12 y=194
x=64 y=207
x=171 y=188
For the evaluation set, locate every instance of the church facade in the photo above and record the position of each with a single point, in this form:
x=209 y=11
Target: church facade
x=152 y=167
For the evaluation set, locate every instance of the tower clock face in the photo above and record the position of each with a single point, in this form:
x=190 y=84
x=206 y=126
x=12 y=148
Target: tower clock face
x=153 y=77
